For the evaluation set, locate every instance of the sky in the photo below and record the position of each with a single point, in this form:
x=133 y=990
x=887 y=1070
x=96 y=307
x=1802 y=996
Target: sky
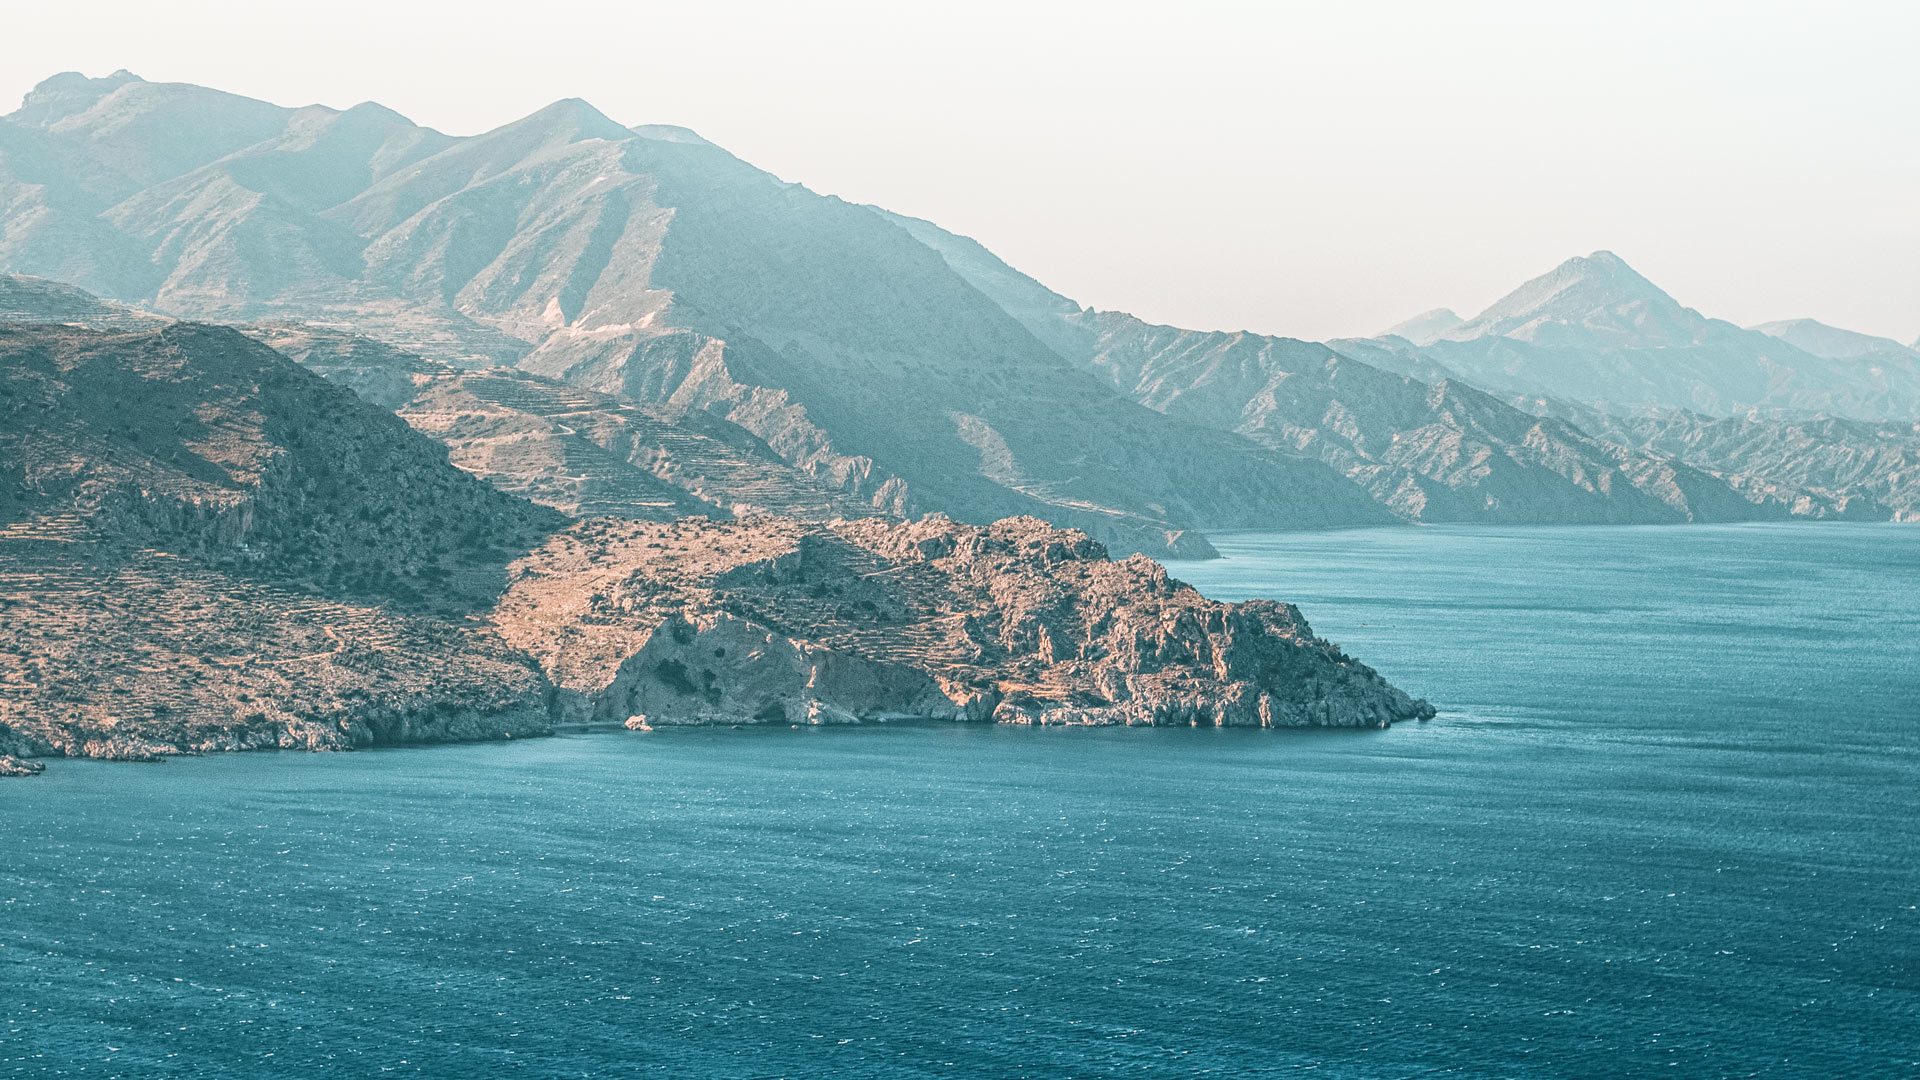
x=1312 y=169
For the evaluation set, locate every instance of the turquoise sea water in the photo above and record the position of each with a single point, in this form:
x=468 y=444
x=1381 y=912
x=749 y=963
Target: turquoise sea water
x=1667 y=823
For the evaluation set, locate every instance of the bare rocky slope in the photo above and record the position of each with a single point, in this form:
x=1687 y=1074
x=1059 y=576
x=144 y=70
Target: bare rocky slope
x=775 y=621
x=205 y=547
x=1821 y=466
x=579 y=451
x=640 y=262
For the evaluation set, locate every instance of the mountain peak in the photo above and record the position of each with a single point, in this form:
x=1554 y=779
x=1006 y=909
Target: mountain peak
x=575 y=120
x=67 y=93
x=1588 y=297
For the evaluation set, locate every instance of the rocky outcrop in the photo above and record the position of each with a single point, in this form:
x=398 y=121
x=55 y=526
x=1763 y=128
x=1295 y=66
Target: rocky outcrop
x=1018 y=622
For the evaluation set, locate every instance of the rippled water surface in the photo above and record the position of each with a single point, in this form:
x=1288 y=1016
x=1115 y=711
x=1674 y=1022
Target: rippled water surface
x=1667 y=823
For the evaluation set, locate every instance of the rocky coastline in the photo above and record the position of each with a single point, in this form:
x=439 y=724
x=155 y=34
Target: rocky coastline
x=651 y=624
x=775 y=621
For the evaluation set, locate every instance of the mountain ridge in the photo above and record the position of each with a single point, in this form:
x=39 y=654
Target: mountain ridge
x=1596 y=331
x=647 y=263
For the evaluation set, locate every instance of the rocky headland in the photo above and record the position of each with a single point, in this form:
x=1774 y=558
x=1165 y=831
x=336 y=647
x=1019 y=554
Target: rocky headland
x=204 y=547
x=778 y=621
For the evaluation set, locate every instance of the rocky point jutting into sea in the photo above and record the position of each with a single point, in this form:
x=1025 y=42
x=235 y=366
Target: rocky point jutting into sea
x=255 y=557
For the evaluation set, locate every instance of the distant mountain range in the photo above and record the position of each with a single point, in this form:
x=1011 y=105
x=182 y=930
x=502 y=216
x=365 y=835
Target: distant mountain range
x=656 y=291
x=1594 y=331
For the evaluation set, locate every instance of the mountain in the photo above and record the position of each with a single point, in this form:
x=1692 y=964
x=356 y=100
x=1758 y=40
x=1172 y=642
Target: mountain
x=580 y=452
x=574 y=450
x=1426 y=327
x=1436 y=453
x=1595 y=331
x=640 y=262
x=1833 y=343
x=1825 y=467
x=36 y=300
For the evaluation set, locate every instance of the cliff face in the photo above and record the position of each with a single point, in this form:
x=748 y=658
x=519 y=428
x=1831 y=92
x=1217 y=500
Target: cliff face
x=1017 y=622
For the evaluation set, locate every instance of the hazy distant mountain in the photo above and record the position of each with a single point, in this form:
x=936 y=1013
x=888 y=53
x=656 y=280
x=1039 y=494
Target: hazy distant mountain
x=891 y=366
x=574 y=450
x=1425 y=327
x=1595 y=331
x=1437 y=453
x=641 y=262
x=1833 y=343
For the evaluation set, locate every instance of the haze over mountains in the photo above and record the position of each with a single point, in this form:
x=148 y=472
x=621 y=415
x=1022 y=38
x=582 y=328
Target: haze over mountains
x=843 y=360
x=644 y=262
x=1594 y=331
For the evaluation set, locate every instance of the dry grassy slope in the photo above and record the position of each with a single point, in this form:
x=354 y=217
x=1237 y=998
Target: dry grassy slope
x=197 y=439
x=107 y=652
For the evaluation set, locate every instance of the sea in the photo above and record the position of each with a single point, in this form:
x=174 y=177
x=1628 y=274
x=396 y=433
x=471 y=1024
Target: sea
x=1666 y=823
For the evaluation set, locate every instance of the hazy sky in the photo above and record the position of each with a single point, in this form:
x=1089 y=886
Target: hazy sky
x=1316 y=169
